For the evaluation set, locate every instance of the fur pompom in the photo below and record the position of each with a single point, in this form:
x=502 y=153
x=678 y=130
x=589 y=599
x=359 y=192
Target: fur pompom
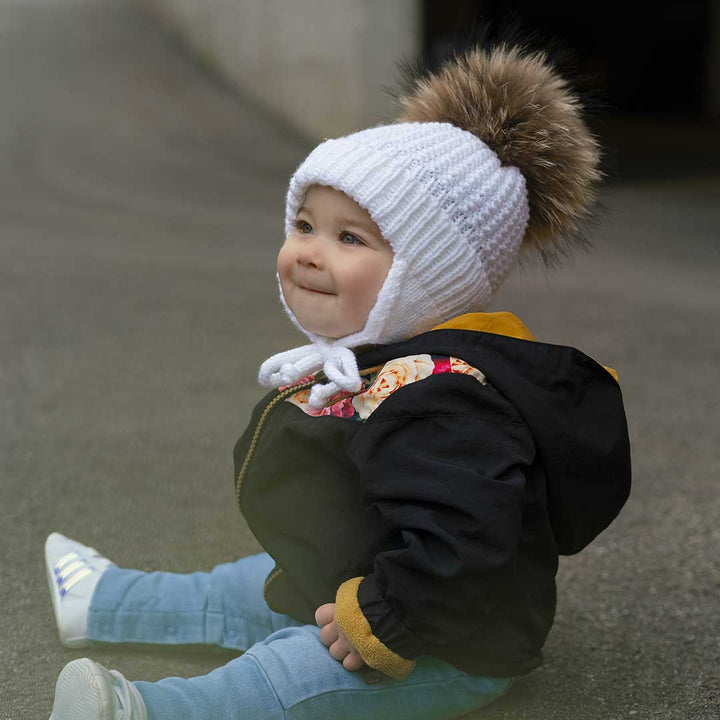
x=520 y=107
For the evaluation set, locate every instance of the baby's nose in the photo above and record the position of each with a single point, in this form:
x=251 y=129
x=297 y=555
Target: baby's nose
x=311 y=255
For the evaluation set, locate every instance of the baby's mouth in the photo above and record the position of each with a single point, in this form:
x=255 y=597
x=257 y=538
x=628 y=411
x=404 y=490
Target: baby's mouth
x=319 y=292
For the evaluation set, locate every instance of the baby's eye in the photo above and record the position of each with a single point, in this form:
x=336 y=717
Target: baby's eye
x=350 y=235
x=300 y=224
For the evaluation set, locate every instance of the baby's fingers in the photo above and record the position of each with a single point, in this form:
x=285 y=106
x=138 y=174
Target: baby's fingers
x=325 y=614
x=339 y=649
x=329 y=634
x=345 y=653
x=353 y=661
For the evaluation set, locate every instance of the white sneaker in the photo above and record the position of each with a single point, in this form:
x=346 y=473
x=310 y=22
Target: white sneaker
x=73 y=571
x=85 y=690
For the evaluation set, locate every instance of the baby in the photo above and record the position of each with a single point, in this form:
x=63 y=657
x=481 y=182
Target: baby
x=412 y=473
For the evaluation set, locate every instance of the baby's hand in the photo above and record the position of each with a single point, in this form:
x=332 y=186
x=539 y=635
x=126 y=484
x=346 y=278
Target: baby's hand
x=335 y=639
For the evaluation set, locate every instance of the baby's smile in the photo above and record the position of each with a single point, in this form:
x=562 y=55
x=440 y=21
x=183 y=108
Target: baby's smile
x=306 y=286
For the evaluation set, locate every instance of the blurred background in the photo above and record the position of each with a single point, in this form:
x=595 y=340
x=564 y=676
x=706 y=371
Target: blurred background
x=145 y=150
x=653 y=70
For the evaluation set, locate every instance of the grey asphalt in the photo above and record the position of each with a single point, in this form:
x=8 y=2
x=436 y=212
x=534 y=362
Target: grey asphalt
x=141 y=205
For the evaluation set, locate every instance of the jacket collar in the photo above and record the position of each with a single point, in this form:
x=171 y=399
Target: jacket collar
x=497 y=323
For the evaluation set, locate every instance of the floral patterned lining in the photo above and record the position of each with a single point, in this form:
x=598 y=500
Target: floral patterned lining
x=380 y=384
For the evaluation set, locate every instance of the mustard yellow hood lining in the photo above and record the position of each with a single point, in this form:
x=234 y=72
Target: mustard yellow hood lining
x=498 y=323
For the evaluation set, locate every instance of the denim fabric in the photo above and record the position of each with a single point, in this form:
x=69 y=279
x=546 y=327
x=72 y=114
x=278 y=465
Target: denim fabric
x=285 y=672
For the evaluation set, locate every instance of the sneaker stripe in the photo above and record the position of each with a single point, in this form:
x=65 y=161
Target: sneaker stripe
x=66 y=572
x=79 y=567
x=75 y=579
x=65 y=559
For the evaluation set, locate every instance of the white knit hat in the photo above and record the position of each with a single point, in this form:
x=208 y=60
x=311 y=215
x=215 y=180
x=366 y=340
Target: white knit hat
x=454 y=218
x=455 y=214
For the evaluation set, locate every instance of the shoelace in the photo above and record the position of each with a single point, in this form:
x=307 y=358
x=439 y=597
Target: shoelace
x=70 y=569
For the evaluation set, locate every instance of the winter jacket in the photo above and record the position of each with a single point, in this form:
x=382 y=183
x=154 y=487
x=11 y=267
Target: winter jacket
x=432 y=505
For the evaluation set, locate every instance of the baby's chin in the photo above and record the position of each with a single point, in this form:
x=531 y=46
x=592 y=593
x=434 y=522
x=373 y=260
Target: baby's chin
x=325 y=334
x=330 y=329
x=327 y=331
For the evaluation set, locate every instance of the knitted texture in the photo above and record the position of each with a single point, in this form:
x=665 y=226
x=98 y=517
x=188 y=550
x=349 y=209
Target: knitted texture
x=453 y=215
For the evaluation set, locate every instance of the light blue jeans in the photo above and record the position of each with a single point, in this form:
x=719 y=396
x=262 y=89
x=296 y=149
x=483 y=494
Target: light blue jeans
x=286 y=672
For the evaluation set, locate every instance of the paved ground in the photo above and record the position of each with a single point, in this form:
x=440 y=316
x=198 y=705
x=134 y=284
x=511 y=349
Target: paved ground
x=140 y=213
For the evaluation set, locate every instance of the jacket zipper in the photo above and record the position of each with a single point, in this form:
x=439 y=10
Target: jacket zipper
x=269 y=579
x=320 y=377
x=258 y=429
x=253 y=443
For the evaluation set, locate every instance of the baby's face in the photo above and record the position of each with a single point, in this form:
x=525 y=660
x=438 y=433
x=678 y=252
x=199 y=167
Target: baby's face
x=333 y=263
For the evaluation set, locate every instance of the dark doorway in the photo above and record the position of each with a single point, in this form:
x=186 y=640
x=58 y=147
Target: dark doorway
x=654 y=63
x=647 y=72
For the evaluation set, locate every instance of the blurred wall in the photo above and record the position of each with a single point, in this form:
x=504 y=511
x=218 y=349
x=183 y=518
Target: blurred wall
x=318 y=63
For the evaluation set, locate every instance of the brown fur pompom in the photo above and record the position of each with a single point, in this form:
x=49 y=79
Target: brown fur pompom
x=517 y=104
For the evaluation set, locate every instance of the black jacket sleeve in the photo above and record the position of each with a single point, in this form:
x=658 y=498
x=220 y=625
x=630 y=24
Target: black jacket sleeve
x=442 y=461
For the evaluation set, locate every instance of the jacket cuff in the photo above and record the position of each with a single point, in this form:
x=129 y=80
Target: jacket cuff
x=354 y=624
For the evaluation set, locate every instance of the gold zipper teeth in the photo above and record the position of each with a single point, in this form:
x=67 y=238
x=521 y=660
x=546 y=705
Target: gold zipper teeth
x=243 y=470
x=288 y=391
x=270 y=578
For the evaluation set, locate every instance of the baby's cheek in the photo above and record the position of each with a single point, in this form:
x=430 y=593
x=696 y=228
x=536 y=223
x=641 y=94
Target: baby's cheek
x=364 y=292
x=283 y=262
x=351 y=314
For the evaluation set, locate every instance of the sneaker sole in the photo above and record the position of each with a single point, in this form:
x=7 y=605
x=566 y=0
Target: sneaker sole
x=82 y=693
